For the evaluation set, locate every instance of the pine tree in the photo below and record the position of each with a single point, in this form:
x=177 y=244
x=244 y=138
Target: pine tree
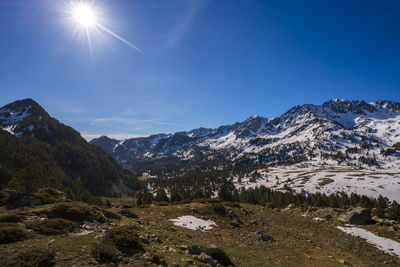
x=70 y=195
x=139 y=198
x=224 y=193
x=394 y=211
x=148 y=198
x=175 y=196
x=161 y=196
x=380 y=206
x=198 y=193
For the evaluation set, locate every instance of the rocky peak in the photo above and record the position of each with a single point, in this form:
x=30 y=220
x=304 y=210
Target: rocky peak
x=388 y=105
x=345 y=106
x=26 y=106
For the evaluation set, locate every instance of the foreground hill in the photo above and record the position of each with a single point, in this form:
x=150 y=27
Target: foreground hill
x=359 y=140
x=77 y=234
x=43 y=149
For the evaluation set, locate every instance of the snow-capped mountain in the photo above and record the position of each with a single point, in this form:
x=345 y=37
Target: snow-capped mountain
x=341 y=145
x=341 y=131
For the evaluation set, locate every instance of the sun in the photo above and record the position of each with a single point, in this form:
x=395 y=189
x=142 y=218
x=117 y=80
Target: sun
x=84 y=15
x=88 y=21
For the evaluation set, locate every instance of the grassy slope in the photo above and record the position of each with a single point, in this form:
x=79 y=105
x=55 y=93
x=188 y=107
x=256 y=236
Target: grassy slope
x=299 y=240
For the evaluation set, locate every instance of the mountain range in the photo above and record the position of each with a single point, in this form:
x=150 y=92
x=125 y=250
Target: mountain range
x=336 y=129
x=340 y=145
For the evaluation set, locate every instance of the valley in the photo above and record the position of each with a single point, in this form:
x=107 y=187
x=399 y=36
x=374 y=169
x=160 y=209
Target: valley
x=317 y=186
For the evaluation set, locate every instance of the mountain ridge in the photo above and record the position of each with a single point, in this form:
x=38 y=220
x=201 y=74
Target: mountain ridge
x=306 y=123
x=88 y=164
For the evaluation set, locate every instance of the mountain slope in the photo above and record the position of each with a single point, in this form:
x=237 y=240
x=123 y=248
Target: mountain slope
x=341 y=145
x=82 y=162
x=304 y=131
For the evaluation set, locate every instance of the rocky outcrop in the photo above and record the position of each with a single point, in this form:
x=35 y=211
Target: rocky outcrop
x=356 y=216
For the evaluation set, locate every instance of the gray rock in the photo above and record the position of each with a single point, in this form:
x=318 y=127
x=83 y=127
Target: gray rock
x=236 y=222
x=206 y=259
x=356 y=216
x=266 y=238
x=219 y=255
x=187 y=261
x=194 y=210
x=147 y=257
x=195 y=249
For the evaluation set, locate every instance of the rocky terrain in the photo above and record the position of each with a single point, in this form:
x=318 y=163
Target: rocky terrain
x=118 y=233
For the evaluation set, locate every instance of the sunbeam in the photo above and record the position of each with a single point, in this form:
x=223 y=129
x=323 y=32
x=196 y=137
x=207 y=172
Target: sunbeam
x=86 y=19
x=119 y=37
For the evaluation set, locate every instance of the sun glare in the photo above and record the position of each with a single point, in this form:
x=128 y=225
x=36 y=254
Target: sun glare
x=88 y=21
x=84 y=15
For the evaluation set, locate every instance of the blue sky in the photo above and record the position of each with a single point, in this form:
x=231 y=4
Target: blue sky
x=205 y=63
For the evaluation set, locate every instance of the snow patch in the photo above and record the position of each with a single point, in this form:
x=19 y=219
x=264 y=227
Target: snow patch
x=193 y=223
x=384 y=244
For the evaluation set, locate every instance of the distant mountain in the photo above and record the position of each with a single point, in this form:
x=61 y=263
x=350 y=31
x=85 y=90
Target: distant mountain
x=61 y=147
x=338 y=132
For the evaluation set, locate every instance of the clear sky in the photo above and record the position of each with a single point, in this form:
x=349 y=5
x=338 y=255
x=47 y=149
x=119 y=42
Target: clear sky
x=205 y=63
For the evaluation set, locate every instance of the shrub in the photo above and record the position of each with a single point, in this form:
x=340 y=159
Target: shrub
x=104 y=252
x=161 y=196
x=56 y=226
x=110 y=214
x=232 y=204
x=219 y=255
x=48 y=195
x=129 y=213
x=125 y=238
x=41 y=257
x=10 y=234
x=207 y=200
x=218 y=208
x=10 y=218
x=75 y=211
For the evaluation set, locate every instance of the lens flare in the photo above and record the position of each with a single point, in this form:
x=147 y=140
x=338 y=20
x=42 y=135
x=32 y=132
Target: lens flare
x=87 y=20
x=84 y=15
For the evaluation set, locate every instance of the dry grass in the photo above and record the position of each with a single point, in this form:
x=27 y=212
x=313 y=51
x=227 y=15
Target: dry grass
x=299 y=240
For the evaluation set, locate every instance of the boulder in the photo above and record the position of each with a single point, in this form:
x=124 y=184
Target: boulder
x=195 y=249
x=265 y=238
x=236 y=222
x=219 y=255
x=356 y=216
x=204 y=258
